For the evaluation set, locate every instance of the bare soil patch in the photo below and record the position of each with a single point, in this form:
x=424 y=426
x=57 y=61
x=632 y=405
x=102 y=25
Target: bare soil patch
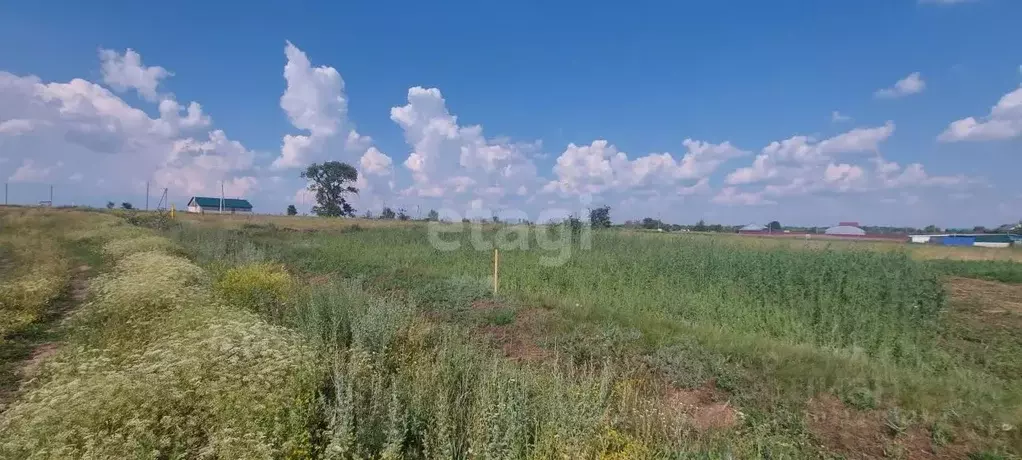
x=859 y=434
x=707 y=407
x=519 y=340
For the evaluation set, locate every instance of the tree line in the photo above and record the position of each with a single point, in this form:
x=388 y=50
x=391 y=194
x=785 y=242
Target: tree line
x=333 y=181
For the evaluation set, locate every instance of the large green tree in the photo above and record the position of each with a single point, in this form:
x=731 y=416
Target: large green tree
x=600 y=217
x=331 y=181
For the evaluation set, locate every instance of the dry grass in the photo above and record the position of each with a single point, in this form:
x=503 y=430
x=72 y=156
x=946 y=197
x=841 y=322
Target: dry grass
x=992 y=297
x=927 y=252
x=35 y=269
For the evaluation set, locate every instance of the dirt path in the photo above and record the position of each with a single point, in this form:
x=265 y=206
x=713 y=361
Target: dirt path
x=22 y=351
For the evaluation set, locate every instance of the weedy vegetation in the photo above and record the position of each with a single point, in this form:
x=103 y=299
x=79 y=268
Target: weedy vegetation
x=206 y=338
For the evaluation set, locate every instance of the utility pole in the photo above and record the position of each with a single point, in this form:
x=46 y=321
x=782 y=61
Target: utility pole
x=146 y=195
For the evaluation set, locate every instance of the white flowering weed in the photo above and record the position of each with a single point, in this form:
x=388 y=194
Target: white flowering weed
x=119 y=248
x=154 y=368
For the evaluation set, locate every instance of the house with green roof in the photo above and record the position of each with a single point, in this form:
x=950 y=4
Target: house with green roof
x=205 y=204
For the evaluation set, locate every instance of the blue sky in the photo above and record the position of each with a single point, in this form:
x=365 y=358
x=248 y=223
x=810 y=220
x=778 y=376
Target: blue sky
x=577 y=105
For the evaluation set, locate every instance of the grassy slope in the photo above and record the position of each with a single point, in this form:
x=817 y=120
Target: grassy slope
x=690 y=314
x=605 y=355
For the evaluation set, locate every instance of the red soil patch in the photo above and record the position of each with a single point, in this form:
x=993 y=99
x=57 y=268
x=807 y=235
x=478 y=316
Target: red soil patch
x=515 y=346
x=707 y=407
x=518 y=340
x=865 y=434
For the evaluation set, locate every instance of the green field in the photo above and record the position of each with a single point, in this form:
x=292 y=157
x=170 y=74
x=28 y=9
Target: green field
x=259 y=339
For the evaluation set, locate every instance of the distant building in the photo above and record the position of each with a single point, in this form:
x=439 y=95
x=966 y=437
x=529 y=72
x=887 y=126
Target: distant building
x=204 y=204
x=845 y=230
x=752 y=228
x=986 y=240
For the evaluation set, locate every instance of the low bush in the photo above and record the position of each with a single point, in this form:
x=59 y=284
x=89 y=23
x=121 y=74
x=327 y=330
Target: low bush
x=258 y=287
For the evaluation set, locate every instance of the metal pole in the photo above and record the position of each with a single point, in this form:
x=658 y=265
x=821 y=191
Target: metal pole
x=5 y=193
x=51 y=196
x=146 y=195
x=221 y=197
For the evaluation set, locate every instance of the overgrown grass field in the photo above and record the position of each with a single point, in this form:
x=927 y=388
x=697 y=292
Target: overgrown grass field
x=253 y=339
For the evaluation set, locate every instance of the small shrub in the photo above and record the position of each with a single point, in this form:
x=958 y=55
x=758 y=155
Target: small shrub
x=452 y=293
x=153 y=220
x=258 y=287
x=861 y=398
x=941 y=433
x=500 y=316
x=897 y=421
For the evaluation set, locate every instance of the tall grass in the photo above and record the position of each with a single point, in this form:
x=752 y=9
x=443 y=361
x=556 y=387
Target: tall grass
x=405 y=387
x=772 y=324
x=883 y=303
x=402 y=386
x=993 y=270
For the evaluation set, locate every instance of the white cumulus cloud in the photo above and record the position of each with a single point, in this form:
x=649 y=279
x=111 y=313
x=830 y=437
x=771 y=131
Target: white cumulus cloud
x=375 y=162
x=29 y=171
x=600 y=167
x=450 y=158
x=126 y=71
x=912 y=84
x=315 y=102
x=1003 y=122
x=82 y=129
x=793 y=156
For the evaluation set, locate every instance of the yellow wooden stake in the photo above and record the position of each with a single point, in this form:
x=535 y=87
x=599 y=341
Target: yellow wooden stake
x=496 y=264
